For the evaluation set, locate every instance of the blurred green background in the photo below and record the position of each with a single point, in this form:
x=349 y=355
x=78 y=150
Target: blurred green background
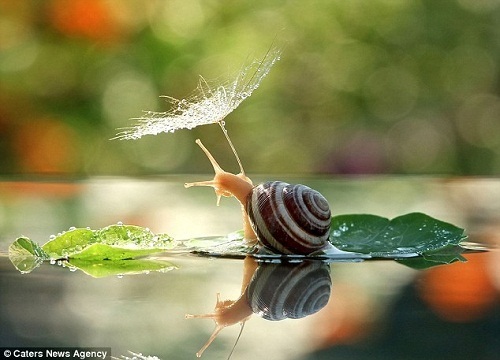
x=378 y=86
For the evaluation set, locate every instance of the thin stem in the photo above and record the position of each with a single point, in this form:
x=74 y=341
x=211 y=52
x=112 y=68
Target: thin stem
x=237 y=340
x=221 y=123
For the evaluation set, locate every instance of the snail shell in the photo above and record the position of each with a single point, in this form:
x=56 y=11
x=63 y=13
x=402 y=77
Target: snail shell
x=289 y=219
x=281 y=291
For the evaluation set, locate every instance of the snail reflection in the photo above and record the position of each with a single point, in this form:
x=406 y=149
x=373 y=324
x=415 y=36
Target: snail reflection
x=273 y=291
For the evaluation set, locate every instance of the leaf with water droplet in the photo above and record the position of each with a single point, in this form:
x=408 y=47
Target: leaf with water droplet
x=66 y=243
x=132 y=235
x=98 y=252
x=26 y=255
x=103 y=268
x=110 y=244
x=407 y=235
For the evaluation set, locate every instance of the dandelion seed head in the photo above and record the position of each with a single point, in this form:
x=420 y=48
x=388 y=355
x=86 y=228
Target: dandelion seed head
x=208 y=104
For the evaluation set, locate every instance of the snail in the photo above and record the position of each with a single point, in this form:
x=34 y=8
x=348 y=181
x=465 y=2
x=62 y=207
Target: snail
x=273 y=291
x=285 y=218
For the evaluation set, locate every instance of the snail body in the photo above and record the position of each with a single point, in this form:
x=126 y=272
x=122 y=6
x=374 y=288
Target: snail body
x=285 y=218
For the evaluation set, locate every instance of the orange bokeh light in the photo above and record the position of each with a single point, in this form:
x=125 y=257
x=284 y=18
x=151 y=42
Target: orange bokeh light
x=460 y=292
x=46 y=146
x=91 y=19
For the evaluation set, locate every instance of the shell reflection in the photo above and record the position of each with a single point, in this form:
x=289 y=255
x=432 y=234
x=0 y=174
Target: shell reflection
x=281 y=291
x=273 y=291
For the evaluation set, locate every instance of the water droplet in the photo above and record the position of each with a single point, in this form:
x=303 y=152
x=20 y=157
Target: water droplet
x=119 y=223
x=73 y=228
x=119 y=276
x=52 y=237
x=52 y=261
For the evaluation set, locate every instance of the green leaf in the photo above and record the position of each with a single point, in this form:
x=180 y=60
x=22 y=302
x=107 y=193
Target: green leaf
x=446 y=255
x=97 y=252
x=103 y=268
x=406 y=235
x=133 y=236
x=26 y=255
x=138 y=241
x=66 y=243
x=111 y=250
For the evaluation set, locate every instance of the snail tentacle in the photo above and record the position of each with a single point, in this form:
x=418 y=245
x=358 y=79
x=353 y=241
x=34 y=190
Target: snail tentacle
x=227 y=184
x=226 y=313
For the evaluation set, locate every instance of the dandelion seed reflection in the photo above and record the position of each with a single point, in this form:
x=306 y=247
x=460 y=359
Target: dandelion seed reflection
x=209 y=103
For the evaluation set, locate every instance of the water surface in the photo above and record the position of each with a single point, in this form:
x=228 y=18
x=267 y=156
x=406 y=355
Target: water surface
x=376 y=309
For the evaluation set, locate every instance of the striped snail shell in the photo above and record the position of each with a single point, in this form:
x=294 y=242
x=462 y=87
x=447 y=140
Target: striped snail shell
x=289 y=219
x=286 y=290
x=286 y=218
